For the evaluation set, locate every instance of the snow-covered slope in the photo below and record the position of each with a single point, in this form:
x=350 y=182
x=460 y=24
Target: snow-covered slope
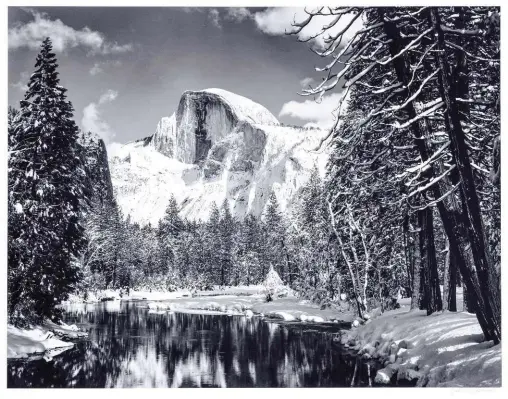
x=217 y=146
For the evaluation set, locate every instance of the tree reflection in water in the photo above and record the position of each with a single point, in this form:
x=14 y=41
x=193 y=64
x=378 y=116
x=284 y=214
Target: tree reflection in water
x=130 y=347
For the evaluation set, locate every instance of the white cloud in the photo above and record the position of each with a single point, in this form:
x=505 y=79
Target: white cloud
x=99 y=67
x=92 y=119
x=277 y=21
x=305 y=82
x=238 y=14
x=22 y=84
x=96 y=69
x=63 y=37
x=322 y=113
x=109 y=96
x=213 y=16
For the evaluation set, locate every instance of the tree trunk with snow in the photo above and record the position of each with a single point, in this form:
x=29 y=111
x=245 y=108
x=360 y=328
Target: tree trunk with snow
x=449 y=217
x=450 y=282
x=416 y=294
x=489 y=287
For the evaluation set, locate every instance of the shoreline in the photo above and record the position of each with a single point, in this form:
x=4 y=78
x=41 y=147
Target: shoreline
x=445 y=349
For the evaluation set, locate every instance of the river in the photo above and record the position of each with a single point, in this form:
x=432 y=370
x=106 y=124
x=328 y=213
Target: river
x=128 y=346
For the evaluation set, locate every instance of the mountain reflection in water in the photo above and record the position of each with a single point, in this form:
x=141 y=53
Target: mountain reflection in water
x=130 y=347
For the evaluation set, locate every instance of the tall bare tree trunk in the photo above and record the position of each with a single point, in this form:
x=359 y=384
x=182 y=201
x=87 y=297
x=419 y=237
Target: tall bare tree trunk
x=428 y=254
x=416 y=294
x=450 y=282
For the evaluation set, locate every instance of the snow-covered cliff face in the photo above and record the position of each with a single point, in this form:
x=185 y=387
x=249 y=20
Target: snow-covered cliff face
x=164 y=138
x=218 y=146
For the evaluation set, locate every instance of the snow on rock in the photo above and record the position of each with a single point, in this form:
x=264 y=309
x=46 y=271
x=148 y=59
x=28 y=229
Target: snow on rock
x=164 y=138
x=444 y=349
x=384 y=375
x=281 y=315
x=315 y=319
x=22 y=343
x=244 y=108
x=217 y=146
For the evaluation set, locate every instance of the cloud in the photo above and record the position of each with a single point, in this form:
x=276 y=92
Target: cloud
x=92 y=119
x=22 y=84
x=277 y=21
x=322 y=113
x=213 y=16
x=305 y=82
x=98 y=67
x=238 y=14
x=64 y=37
x=109 y=96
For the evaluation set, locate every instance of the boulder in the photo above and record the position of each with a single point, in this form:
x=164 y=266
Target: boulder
x=401 y=351
x=404 y=344
x=384 y=376
x=407 y=373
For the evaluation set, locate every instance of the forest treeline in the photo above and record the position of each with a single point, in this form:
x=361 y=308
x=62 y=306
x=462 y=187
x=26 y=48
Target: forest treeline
x=411 y=197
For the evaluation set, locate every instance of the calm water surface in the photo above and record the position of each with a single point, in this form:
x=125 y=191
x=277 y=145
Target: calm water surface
x=130 y=347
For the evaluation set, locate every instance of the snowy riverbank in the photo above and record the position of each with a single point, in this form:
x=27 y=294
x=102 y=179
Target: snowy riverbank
x=46 y=341
x=231 y=300
x=241 y=303
x=444 y=349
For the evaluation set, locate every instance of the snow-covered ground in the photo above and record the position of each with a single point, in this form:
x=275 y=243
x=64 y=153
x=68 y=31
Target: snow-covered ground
x=116 y=295
x=241 y=300
x=46 y=340
x=444 y=349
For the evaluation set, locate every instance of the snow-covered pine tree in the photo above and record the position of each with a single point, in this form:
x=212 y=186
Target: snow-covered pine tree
x=169 y=228
x=227 y=231
x=212 y=239
x=274 y=251
x=310 y=241
x=247 y=250
x=46 y=191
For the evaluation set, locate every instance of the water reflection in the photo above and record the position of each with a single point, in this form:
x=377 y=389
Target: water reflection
x=129 y=347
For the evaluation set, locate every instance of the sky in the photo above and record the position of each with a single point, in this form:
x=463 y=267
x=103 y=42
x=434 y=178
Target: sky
x=126 y=67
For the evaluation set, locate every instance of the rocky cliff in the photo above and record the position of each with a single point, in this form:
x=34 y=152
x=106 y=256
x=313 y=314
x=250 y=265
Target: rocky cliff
x=217 y=146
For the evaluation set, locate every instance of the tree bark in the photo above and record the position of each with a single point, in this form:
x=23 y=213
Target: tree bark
x=450 y=282
x=432 y=293
x=448 y=216
x=487 y=278
x=416 y=294
x=408 y=256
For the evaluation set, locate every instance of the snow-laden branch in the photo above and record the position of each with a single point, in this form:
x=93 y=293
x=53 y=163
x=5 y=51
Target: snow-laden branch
x=439 y=104
x=430 y=183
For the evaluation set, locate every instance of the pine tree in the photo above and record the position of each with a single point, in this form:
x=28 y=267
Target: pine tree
x=227 y=230
x=170 y=226
x=274 y=251
x=47 y=193
x=213 y=245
